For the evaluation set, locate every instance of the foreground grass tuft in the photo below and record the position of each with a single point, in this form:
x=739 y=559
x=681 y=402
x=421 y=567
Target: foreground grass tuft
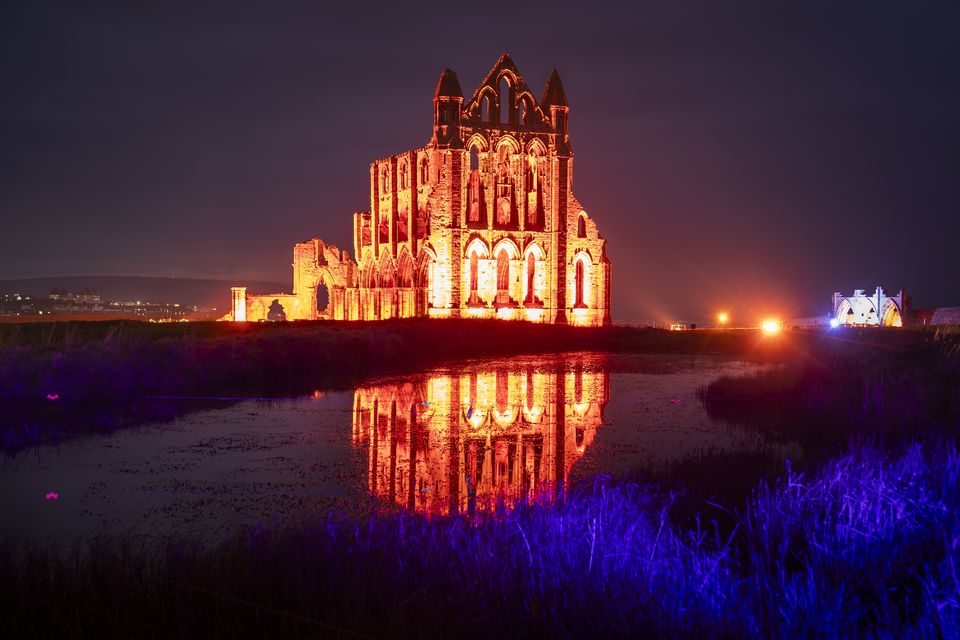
x=868 y=546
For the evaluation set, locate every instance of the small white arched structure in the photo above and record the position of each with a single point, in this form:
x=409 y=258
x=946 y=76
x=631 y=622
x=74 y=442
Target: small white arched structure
x=861 y=310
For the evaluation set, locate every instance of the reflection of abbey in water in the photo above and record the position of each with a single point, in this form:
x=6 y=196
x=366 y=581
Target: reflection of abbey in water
x=455 y=441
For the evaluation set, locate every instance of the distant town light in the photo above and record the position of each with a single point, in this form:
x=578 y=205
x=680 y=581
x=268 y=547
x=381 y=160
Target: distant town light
x=723 y=317
x=770 y=326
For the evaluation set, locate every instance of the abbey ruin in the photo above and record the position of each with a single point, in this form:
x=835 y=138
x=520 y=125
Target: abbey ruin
x=481 y=222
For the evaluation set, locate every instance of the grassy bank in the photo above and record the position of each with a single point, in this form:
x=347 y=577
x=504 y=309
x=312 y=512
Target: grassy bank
x=128 y=358
x=283 y=358
x=62 y=378
x=841 y=386
x=866 y=546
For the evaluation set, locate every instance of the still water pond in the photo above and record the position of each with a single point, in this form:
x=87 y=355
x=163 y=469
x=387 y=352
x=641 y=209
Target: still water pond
x=449 y=439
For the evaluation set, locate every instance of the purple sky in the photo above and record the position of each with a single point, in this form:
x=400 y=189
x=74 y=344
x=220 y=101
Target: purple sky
x=738 y=154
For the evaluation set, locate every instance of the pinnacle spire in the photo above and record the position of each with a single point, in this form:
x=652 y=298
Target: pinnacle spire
x=448 y=85
x=553 y=93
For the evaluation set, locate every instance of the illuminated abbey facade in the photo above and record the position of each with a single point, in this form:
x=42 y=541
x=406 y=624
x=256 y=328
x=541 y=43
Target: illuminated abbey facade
x=469 y=440
x=877 y=310
x=481 y=222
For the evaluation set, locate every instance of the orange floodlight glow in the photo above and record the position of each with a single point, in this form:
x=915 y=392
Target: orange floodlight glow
x=723 y=317
x=771 y=326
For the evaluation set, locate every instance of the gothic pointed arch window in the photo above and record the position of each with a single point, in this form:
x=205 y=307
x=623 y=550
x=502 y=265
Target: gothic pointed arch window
x=533 y=264
x=486 y=109
x=504 y=187
x=474 y=298
x=387 y=280
x=476 y=205
x=580 y=276
x=405 y=271
x=503 y=98
x=503 y=273
x=403 y=172
x=424 y=171
x=525 y=115
x=581 y=227
x=504 y=160
x=384 y=180
x=532 y=188
x=426 y=295
x=531 y=277
x=581 y=283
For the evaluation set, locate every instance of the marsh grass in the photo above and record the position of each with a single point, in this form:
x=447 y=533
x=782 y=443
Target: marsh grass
x=865 y=543
x=867 y=546
x=124 y=359
x=845 y=386
x=116 y=361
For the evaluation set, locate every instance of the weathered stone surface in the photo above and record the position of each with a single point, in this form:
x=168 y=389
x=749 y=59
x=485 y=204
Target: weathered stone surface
x=481 y=222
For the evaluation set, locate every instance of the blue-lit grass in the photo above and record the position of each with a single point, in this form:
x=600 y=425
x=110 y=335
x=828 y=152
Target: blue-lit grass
x=868 y=546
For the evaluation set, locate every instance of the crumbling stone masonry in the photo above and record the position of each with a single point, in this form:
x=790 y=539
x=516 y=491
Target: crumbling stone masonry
x=481 y=222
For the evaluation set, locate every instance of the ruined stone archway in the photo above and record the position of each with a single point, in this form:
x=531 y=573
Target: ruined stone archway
x=891 y=316
x=845 y=313
x=323 y=300
x=324 y=286
x=581 y=286
x=423 y=283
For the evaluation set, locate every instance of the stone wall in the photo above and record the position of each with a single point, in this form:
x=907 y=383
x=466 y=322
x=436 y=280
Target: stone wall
x=480 y=222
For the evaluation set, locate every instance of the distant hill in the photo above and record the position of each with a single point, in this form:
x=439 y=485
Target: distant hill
x=186 y=291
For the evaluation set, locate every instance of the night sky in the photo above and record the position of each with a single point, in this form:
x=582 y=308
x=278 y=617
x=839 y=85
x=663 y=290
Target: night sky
x=745 y=155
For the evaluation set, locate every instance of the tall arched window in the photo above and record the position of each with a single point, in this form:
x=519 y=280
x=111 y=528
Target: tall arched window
x=531 y=275
x=323 y=297
x=504 y=159
x=486 y=109
x=386 y=277
x=503 y=273
x=384 y=180
x=403 y=172
x=581 y=227
x=580 y=285
x=424 y=171
x=522 y=114
x=474 y=276
x=405 y=271
x=504 y=99
x=475 y=198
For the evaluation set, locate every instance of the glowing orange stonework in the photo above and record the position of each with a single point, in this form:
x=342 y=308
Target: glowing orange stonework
x=481 y=222
x=469 y=440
